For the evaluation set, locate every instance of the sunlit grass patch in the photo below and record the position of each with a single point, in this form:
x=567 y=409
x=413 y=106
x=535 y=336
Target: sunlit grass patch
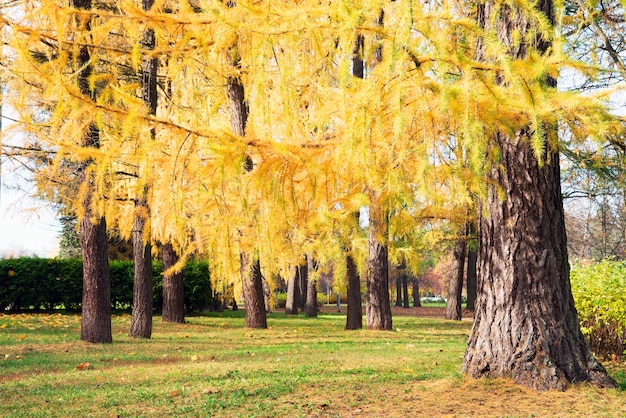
x=213 y=366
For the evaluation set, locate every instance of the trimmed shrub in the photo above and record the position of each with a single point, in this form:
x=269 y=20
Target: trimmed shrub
x=46 y=284
x=600 y=294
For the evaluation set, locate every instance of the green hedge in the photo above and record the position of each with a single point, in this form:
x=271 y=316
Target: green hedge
x=600 y=294
x=46 y=284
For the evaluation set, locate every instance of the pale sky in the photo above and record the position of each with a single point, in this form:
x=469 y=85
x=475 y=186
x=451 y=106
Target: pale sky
x=27 y=227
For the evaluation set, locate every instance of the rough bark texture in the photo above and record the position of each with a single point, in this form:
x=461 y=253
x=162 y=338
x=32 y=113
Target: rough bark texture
x=173 y=288
x=141 y=316
x=96 y=304
x=96 y=307
x=291 y=306
x=526 y=326
x=472 y=258
x=256 y=316
x=378 y=306
x=455 y=285
x=354 y=318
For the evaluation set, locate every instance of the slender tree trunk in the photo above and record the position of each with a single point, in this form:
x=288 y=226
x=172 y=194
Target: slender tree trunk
x=526 y=326
x=472 y=257
x=378 y=306
x=405 y=289
x=256 y=317
x=173 y=288
x=310 y=309
x=398 y=288
x=354 y=318
x=143 y=301
x=455 y=286
x=303 y=284
x=266 y=296
x=96 y=304
x=141 y=317
x=417 y=302
x=291 y=306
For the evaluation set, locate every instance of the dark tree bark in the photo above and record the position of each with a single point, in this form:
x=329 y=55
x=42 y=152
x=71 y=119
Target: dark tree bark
x=291 y=306
x=303 y=284
x=96 y=304
x=526 y=326
x=472 y=257
x=455 y=286
x=417 y=302
x=141 y=317
x=405 y=289
x=173 y=288
x=398 y=288
x=378 y=306
x=256 y=316
x=354 y=318
x=310 y=308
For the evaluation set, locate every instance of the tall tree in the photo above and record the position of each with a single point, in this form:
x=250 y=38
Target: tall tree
x=525 y=325
x=96 y=304
x=141 y=317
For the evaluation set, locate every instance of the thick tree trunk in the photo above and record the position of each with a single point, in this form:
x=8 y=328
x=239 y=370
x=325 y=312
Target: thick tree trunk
x=455 y=286
x=141 y=316
x=354 y=318
x=417 y=302
x=173 y=288
x=472 y=257
x=291 y=306
x=378 y=306
x=256 y=316
x=310 y=308
x=526 y=326
x=96 y=306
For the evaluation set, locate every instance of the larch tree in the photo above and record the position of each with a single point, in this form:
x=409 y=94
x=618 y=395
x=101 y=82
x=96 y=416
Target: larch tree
x=96 y=302
x=526 y=326
x=141 y=317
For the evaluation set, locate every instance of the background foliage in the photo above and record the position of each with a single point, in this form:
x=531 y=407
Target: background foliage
x=601 y=303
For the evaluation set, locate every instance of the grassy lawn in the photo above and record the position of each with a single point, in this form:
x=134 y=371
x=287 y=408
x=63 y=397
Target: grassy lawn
x=213 y=366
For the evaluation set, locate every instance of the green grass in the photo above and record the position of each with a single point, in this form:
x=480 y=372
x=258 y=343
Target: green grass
x=213 y=366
